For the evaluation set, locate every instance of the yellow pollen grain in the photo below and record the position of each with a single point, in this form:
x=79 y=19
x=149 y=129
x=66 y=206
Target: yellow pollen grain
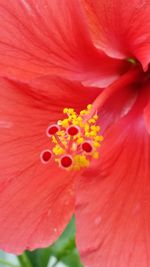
x=61 y=133
x=73 y=116
x=91 y=121
x=95 y=155
x=99 y=138
x=95 y=117
x=80 y=140
x=95 y=128
x=89 y=107
x=71 y=111
x=83 y=112
x=96 y=144
x=65 y=123
x=86 y=127
x=65 y=110
x=93 y=133
x=57 y=150
x=54 y=140
x=80 y=161
x=79 y=119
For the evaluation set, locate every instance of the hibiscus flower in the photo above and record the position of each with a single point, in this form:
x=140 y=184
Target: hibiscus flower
x=89 y=45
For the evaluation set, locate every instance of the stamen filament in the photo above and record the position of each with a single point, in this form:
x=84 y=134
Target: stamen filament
x=59 y=142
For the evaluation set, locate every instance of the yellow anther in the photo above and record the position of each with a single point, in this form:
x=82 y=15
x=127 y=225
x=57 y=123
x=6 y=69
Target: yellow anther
x=75 y=122
x=93 y=133
x=61 y=133
x=74 y=116
x=83 y=112
x=91 y=121
x=80 y=161
x=57 y=150
x=79 y=119
x=65 y=110
x=65 y=123
x=89 y=107
x=80 y=140
x=71 y=111
x=95 y=155
x=95 y=128
x=96 y=144
x=95 y=117
x=87 y=134
x=86 y=127
x=54 y=140
x=99 y=138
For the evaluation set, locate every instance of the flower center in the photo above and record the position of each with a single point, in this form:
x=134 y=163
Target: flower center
x=75 y=140
x=143 y=76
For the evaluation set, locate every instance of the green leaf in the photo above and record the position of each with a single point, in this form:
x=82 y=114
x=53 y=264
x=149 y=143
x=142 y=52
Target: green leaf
x=64 y=250
x=24 y=260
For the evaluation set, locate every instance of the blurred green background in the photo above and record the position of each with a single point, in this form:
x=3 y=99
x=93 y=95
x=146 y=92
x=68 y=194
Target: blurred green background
x=62 y=253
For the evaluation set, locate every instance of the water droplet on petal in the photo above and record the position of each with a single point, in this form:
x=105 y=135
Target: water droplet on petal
x=136 y=209
x=141 y=3
x=49 y=212
x=98 y=220
x=6 y=124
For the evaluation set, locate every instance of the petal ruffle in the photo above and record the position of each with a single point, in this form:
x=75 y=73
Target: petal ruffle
x=50 y=37
x=121 y=28
x=116 y=100
x=36 y=200
x=113 y=211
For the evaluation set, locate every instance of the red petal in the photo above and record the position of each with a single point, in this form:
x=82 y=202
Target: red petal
x=36 y=200
x=147 y=117
x=113 y=206
x=121 y=28
x=117 y=99
x=45 y=37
